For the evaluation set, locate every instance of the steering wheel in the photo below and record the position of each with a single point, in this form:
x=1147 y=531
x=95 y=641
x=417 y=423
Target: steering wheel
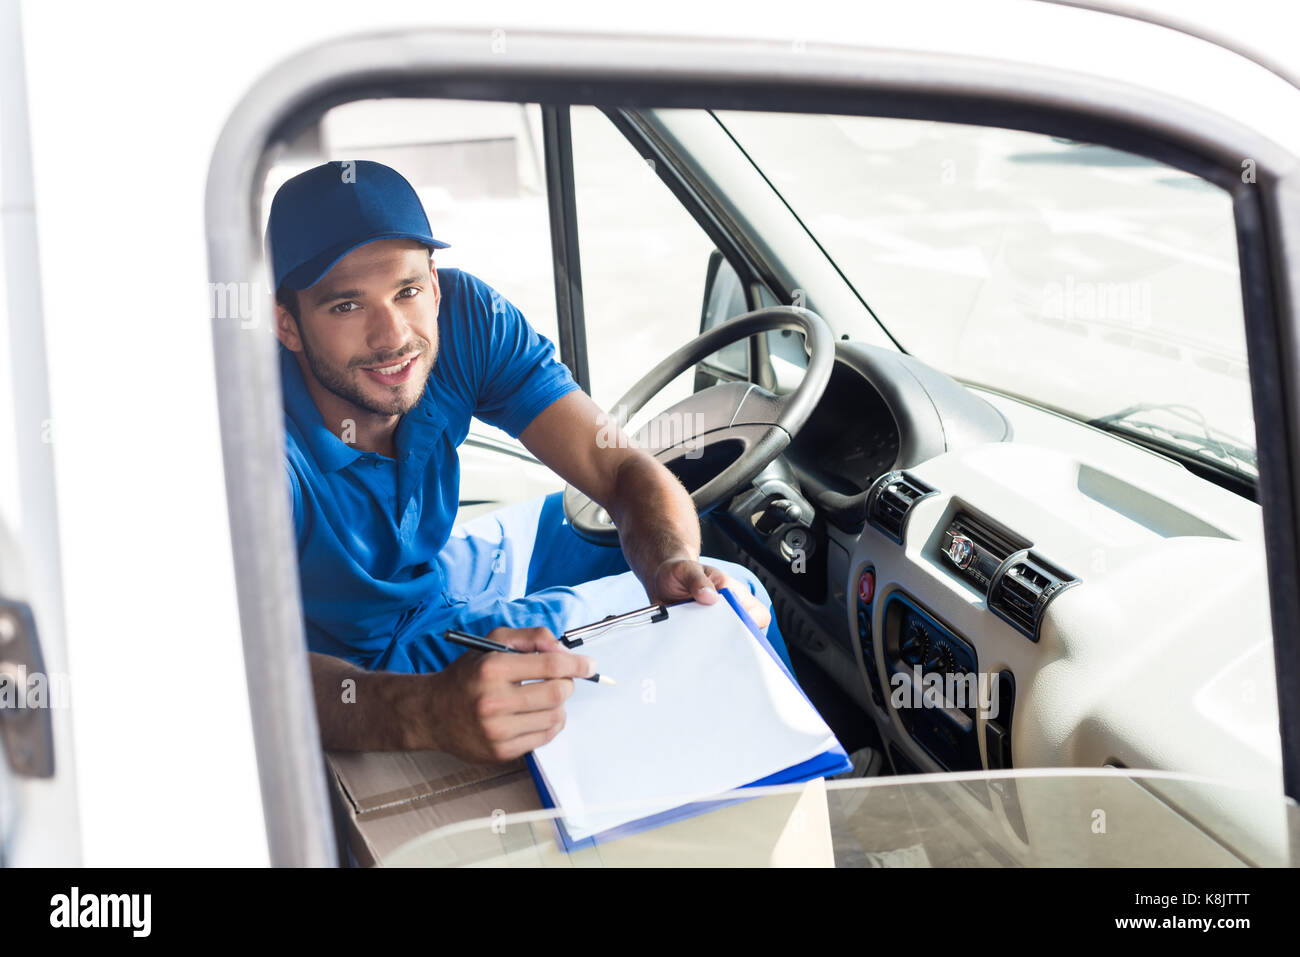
x=718 y=439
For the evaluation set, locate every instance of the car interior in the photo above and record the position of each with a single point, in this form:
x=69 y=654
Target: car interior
x=972 y=402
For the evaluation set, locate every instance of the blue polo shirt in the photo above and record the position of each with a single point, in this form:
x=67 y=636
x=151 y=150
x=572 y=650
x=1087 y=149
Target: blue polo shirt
x=371 y=530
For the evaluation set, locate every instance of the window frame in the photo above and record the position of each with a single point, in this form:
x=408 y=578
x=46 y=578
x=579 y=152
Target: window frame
x=562 y=203
x=713 y=73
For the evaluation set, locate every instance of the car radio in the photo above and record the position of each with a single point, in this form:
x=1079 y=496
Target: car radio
x=975 y=548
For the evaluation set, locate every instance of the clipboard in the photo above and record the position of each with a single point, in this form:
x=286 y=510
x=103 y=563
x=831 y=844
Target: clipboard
x=833 y=760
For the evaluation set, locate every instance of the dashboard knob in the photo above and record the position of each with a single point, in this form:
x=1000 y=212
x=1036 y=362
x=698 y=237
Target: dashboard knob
x=961 y=550
x=913 y=645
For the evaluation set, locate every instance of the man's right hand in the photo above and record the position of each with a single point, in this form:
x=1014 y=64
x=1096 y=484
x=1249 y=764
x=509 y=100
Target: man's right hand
x=483 y=711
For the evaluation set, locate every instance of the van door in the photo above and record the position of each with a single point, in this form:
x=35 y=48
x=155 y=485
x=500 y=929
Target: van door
x=39 y=823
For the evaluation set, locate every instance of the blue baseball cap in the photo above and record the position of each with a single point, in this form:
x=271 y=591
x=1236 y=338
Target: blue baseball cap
x=320 y=216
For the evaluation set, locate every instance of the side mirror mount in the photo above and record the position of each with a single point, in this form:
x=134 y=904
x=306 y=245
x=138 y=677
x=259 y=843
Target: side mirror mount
x=778 y=357
x=724 y=297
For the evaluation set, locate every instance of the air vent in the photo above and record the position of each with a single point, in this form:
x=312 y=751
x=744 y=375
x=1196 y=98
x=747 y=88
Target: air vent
x=891 y=501
x=1020 y=593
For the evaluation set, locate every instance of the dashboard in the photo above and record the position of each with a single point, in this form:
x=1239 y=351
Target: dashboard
x=1000 y=587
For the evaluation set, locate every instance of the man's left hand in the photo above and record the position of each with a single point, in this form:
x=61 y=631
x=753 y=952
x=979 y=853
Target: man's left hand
x=683 y=578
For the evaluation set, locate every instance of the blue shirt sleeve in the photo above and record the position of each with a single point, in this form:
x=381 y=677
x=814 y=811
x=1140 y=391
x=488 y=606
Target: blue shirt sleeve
x=516 y=368
x=295 y=499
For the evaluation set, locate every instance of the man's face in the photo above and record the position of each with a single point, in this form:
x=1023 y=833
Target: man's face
x=369 y=328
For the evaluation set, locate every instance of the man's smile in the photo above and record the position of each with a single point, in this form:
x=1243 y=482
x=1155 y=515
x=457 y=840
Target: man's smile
x=394 y=374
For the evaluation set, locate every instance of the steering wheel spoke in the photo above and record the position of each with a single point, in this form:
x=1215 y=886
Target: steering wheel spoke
x=696 y=416
x=718 y=439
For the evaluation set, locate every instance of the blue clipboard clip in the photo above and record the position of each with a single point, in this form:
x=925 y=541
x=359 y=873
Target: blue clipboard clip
x=576 y=636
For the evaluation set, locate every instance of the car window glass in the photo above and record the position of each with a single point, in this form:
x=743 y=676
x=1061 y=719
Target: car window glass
x=644 y=261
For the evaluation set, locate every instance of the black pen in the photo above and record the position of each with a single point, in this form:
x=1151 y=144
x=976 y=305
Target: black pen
x=486 y=644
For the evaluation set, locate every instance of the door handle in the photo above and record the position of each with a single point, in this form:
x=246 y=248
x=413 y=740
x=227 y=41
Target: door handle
x=26 y=727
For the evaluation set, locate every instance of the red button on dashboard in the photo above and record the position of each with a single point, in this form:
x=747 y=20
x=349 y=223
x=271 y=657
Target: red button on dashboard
x=867 y=585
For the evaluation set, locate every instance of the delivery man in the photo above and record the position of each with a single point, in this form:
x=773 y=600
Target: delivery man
x=384 y=360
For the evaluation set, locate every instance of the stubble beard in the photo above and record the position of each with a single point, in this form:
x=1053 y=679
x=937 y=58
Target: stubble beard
x=337 y=381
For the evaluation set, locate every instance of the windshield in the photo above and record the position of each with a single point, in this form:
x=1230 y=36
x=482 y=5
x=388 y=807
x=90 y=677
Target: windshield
x=1100 y=817
x=1084 y=279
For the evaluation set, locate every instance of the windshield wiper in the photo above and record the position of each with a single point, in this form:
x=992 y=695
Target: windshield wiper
x=1224 y=450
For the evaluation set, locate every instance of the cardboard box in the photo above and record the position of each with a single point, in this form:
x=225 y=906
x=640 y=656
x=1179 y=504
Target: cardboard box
x=387 y=798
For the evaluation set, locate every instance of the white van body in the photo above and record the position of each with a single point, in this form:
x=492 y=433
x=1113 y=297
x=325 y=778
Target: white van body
x=112 y=488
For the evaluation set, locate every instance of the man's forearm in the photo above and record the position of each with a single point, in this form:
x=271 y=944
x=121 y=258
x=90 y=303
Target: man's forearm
x=655 y=516
x=361 y=710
